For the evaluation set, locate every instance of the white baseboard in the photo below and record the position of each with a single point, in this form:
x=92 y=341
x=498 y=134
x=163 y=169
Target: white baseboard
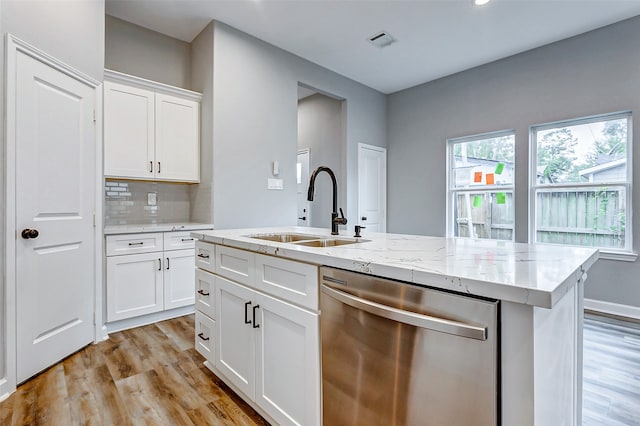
x=616 y=309
x=5 y=389
x=128 y=323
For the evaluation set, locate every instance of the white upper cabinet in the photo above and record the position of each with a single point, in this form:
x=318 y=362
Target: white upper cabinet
x=177 y=139
x=151 y=130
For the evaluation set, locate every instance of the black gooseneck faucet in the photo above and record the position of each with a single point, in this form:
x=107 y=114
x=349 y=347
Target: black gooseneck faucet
x=335 y=220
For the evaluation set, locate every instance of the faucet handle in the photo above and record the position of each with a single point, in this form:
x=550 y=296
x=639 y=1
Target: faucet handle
x=342 y=220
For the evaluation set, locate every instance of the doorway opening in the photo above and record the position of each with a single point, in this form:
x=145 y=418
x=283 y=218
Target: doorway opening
x=321 y=142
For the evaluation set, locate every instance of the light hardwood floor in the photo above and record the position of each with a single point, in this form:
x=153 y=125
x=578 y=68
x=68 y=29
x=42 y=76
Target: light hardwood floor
x=150 y=375
x=153 y=376
x=611 y=390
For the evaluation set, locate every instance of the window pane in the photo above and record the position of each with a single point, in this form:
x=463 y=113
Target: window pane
x=592 y=152
x=483 y=162
x=592 y=217
x=483 y=214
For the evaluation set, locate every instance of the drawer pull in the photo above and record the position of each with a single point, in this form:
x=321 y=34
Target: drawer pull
x=246 y=315
x=204 y=256
x=255 y=323
x=187 y=239
x=202 y=293
x=201 y=335
x=137 y=244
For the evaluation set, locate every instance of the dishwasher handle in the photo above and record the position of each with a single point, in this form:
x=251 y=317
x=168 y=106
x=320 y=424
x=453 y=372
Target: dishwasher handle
x=418 y=320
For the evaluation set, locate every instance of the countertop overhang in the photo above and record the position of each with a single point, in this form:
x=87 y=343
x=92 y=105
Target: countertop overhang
x=531 y=274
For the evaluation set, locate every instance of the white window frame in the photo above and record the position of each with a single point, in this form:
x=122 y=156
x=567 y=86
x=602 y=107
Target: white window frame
x=450 y=221
x=627 y=253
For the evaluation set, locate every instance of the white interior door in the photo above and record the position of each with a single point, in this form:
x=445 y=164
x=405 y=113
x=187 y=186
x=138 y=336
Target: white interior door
x=372 y=187
x=55 y=198
x=302 y=179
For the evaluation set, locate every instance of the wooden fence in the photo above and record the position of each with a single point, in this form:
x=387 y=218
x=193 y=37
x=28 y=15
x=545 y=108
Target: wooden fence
x=583 y=217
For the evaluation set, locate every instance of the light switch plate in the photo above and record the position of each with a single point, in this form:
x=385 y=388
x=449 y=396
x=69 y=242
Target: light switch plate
x=275 y=184
x=152 y=198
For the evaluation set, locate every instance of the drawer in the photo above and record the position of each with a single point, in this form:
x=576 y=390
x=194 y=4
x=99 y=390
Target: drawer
x=288 y=280
x=205 y=328
x=237 y=265
x=205 y=258
x=178 y=240
x=205 y=293
x=134 y=243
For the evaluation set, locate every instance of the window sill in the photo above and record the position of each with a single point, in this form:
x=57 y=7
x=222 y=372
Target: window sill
x=613 y=255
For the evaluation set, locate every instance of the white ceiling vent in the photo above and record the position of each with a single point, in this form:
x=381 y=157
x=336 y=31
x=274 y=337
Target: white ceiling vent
x=382 y=39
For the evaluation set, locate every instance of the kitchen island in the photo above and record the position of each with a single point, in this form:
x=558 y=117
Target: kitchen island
x=539 y=289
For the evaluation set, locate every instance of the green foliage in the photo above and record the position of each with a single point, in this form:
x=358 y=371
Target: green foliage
x=612 y=144
x=496 y=149
x=556 y=152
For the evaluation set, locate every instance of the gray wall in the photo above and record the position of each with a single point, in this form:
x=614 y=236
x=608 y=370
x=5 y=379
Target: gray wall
x=135 y=50
x=254 y=123
x=71 y=31
x=590 y=74
x=202 y=81
x=320 y=130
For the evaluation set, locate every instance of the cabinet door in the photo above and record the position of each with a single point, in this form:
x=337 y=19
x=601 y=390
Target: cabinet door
x=128 y=131
x=179 y=278
x=177 y=139
x=235 y=349
x=134 y=285
x=288 y=363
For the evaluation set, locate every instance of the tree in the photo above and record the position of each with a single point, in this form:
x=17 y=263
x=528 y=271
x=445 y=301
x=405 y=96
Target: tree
x=496 y=149
x=612 y=145
x=556 y=152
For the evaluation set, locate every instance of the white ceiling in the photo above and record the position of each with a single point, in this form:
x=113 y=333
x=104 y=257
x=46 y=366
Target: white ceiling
x=435 y=37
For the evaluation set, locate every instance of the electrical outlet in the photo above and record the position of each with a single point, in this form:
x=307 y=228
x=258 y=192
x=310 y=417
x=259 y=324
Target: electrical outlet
x=152 y=198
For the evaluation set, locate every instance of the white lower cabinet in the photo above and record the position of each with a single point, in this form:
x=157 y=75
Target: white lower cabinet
x=134 y=285
x=205 y=336
x=142 y=278
x=269 y=349
x=179 y=275
x=266 y=340
x=287 y=362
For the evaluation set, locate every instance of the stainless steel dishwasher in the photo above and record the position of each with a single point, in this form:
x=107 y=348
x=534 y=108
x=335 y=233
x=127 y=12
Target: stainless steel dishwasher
x=394 y=353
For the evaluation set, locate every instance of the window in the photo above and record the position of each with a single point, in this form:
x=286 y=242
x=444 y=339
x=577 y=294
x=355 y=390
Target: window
x=480 y=186
x=581 y=182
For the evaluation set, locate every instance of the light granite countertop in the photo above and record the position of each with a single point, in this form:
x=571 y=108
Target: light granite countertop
x=155 y=227
x=531 y=274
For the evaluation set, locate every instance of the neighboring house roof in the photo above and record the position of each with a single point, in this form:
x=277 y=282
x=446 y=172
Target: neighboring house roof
x=603 y=167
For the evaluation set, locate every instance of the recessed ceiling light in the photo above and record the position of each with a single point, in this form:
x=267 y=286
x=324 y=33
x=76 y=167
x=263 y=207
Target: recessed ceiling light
x=480 y=2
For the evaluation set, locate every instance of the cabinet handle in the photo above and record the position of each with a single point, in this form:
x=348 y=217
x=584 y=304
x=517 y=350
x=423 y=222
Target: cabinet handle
x=187 y=239
x=255 y=324
x=150 y=166
x=246 y=315
x=136 y=244
x=167 y=263
x=159 y=264
x=203 y=256
x=201 y=335
x=158 y=167
x=203 y=293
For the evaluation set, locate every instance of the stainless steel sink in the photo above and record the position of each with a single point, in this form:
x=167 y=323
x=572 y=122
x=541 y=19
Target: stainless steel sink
x=328 y=242
x=284 y=238
x=306 y=239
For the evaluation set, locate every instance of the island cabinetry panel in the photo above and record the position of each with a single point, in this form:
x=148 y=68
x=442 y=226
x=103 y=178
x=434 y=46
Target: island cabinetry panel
x=266 y=331
x=144 y=277
x=151 y=130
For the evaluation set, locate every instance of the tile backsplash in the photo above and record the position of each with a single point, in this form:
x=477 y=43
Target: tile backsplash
x=126 y=203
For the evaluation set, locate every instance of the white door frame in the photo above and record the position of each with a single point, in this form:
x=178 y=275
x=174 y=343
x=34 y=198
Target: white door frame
x=298 y=152
x=13 y=47
x=384 y=181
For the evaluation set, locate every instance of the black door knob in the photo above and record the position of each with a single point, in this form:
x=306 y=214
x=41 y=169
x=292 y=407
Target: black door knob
x=363 y=218
x=30 y=233
x=303 y=218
